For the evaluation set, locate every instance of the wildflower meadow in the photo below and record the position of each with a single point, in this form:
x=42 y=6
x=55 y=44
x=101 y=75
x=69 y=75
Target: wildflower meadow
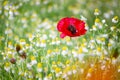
x=59 y=39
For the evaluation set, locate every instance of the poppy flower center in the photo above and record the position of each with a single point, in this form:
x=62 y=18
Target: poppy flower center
x=72 y=29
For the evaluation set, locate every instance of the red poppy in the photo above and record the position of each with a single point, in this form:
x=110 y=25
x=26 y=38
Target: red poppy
x=72 y=27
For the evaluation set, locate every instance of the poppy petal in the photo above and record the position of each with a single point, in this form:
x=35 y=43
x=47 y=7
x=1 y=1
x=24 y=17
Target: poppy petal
x=71 y=27
x=62 y=35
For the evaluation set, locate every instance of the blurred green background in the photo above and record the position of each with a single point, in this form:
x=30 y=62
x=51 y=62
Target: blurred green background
x=13 y=11
x=21 y=18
